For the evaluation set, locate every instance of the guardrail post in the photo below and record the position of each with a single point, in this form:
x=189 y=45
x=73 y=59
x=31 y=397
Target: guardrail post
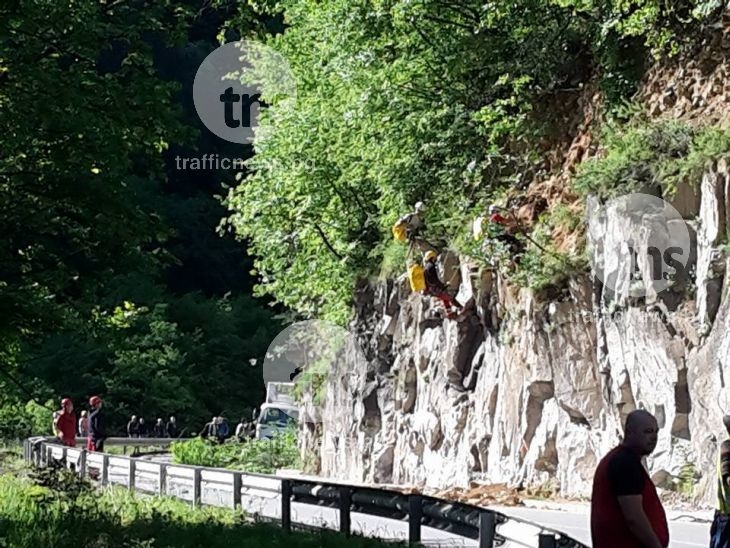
x=132 y=471
x=546 y=541
x=196 y=487
x=286 y=493
x=162 y=485
x=105 y=470
x=345 y=503
x=236 y=490
x=487 y=530
x=415 y=514
x=82 y=463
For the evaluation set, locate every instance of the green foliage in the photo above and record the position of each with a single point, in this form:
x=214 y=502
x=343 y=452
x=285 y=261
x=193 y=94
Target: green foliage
x=664 y=27
x=545 y=266
x=397 y=102
x=19 y=420
x=106 y=246
x=687 y=479
x=180 y=358
x=650 y=156
x=255 y=456
x=59 y=509
x=313 y=380
x=70 y=216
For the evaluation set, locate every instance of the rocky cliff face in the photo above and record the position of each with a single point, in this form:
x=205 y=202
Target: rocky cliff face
x=533 y=391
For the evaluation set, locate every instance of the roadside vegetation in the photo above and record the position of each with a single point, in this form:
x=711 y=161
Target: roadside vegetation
x=255 y=456
x=55 y=508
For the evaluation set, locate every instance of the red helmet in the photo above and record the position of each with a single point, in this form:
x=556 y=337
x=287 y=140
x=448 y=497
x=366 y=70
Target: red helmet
x=65 y=402
x=94 y=401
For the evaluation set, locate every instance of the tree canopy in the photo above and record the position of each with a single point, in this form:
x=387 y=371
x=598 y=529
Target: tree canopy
x=429 y=100
x=113 y=279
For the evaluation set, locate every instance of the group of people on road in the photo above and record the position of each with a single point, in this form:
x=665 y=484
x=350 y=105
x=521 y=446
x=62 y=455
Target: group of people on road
x=137 y=428
x=626 y=510
x=90 y=425
x=218 y=430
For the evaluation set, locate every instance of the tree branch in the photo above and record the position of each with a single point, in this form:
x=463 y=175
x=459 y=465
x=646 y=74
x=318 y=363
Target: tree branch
x=449 y=22
x=327 y=243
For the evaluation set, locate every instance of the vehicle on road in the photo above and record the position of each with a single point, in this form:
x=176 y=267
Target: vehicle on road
x=279 y=412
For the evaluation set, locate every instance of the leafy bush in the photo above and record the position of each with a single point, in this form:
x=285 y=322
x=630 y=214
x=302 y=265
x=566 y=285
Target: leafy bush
x=638 y=156
x=544 y=267
x=20 y=421
x=255 y=456
x=313 y=380
x=650 y=156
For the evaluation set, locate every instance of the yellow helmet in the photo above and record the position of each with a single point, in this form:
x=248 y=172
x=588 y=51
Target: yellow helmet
x=430 y=254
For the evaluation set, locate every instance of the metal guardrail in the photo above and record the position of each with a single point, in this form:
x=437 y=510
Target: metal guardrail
x=485 y=526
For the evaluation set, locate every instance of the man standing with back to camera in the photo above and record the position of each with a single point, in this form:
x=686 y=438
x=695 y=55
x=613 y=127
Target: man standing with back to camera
x=625 y=509
x=97 y=426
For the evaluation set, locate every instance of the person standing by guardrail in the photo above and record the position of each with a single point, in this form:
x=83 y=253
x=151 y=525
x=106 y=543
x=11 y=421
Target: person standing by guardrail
x=133 y=427
x=84 y=424
x=221 y=429
x=97 y=426
x=171 y=428
x=209 y=430
x=158 y=431
x=720 y=531
x=66 y=423
x=625 y=509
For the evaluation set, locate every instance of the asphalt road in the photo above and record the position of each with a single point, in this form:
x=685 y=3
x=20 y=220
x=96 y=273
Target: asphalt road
x=573 y=521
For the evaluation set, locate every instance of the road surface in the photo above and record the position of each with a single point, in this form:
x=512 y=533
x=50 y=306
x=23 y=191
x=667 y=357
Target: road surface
x=575 y=523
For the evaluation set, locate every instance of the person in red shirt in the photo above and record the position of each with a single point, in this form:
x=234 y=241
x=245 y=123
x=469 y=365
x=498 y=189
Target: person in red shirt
x=66 y=423
x=495 y=217
x=625 y=509
x=500 y=228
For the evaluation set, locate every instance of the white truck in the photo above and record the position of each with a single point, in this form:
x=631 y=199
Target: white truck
x=279 y=412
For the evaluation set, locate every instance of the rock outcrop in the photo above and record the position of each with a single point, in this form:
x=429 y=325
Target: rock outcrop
x=529 y=391
x=532 y=391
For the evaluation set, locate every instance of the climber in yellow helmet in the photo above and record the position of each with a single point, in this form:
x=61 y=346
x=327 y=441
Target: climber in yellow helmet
x=436 y=288
x=410 y=227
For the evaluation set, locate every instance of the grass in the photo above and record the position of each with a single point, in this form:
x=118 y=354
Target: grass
x=55 y=508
